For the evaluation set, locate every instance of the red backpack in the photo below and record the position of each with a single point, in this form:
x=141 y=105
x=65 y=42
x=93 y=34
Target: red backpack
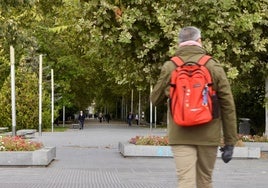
x=191 y=92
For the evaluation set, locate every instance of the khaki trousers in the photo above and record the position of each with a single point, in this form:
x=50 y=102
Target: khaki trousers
x=194 y=165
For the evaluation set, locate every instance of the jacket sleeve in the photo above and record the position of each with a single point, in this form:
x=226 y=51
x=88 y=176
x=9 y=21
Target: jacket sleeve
x=161 y=89
x=227 y=105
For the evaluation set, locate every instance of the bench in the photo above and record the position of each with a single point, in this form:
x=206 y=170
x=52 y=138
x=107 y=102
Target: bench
x=75 y=125
x=3 y=129
x=26 y=133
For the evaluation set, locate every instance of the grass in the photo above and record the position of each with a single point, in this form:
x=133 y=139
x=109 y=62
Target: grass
x=56 y=129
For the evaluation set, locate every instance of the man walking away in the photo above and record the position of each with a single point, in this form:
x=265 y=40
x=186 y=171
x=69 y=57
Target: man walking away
x=195 y=147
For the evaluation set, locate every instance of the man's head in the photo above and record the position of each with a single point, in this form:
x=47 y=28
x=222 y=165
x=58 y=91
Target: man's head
x=189 y=33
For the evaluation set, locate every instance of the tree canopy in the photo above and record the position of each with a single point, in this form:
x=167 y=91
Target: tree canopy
x=102 y=49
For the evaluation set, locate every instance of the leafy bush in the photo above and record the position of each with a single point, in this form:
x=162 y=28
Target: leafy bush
x=254 y=138
x=163 y=140
x=27 y=102
x=150 y=140
x=9 y=143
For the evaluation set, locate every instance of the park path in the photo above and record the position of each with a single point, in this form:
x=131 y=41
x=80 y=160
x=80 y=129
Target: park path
x=90 y=158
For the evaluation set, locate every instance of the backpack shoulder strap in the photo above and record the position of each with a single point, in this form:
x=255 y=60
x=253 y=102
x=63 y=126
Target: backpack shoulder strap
x=204 y=59
x=177 y=60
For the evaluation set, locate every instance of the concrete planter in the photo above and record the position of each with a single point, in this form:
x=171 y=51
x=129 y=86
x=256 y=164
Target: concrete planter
x=131 y=150
x=127 y=150
x=262 y=145
x=41 y=157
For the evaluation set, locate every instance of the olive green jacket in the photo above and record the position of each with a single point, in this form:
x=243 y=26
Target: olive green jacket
x=208 y=134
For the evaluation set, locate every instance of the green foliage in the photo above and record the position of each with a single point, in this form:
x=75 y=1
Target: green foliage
x=101 y=50
x=27 y=102
x=4 y=69
x=150 y=140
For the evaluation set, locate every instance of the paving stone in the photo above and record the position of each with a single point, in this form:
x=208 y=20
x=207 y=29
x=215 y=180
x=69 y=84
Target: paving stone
x=90 y=158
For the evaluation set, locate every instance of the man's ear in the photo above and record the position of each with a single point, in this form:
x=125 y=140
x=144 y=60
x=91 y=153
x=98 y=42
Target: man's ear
x=199 y=41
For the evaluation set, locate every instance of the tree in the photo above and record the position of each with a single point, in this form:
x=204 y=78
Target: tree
x=234 y=32
x=104 y=49
x=18 y=21
x=26 y=101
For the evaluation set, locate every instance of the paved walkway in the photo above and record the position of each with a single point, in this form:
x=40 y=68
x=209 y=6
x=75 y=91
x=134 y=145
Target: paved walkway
x=90 y=158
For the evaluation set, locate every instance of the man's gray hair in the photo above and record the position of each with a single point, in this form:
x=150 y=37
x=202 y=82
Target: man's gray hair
x=189 y=33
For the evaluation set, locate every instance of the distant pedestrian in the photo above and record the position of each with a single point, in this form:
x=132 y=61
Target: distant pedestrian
x=100 y=117
x=107 y=117
x=129 y=118
x=137 y=119
x=81 y=119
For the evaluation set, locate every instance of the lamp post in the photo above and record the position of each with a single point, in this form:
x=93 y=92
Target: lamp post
x=13 y=92
x=266 y=106
x=40 y=93
x=63 y=116
x=139 y=107
x=155 y=116
x=131 y=105
x=52 y=100
x=151 y=110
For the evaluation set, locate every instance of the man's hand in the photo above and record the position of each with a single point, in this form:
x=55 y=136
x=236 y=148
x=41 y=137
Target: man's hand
x=227 y=153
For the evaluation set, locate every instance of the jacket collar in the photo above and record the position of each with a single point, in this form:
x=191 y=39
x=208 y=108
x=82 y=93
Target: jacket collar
x=190 y=43
x=187 y=50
